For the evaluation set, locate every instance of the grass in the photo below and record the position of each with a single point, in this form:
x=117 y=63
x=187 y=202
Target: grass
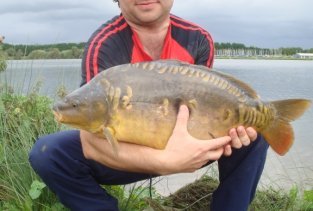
x=198 y=195
x=3 y=63
x=278 y=199
x=21 y=122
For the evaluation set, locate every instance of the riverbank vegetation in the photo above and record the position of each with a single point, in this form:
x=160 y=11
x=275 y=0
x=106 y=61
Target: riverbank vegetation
x=22 y=119
x=240 y=50
x=3 y=64
x=49 y=51
x=75 y=51
x=25 y=117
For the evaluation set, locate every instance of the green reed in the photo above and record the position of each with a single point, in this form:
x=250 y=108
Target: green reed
x=23 y=118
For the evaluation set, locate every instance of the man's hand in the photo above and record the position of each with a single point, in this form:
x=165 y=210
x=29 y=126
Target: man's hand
x=185 y=153
x=242 y=137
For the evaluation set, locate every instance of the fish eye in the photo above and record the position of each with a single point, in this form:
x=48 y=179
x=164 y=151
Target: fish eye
x=74 y=105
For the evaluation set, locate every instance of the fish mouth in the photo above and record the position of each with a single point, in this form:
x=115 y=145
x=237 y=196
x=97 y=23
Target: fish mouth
x=58 y=116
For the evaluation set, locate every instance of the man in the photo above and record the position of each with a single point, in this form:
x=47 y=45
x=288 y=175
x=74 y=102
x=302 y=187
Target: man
x=74 y=163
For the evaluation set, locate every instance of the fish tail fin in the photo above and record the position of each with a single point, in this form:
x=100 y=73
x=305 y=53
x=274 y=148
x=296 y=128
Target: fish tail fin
x=109 y=134
x=280 y=134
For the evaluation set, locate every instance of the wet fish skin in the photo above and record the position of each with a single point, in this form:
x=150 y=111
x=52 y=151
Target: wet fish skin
x=138 y=103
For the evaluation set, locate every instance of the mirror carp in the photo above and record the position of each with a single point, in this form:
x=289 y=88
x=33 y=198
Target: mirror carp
x=138 y=103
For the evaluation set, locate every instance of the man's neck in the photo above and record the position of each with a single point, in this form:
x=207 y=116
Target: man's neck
x=152 y=37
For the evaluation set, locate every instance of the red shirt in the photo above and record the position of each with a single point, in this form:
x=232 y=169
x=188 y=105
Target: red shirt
x=114 y=43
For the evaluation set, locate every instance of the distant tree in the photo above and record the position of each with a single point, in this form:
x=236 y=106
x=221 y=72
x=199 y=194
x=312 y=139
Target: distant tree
x=237 y=46
x=75 y=50
x=37 y=54
x=217 y=45
x=77 y=53
x=291 y=51
x=19 y=54
x=3 y=54
x=67 y=54
x=53 y=53
x=11 y=52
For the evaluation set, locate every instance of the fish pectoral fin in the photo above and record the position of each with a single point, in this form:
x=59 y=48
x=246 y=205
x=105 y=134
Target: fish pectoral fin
x=109 y=134
x=212 y=136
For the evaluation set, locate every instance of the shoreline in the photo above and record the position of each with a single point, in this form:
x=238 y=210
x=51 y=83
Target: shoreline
x=215 y=57
x=261 y=58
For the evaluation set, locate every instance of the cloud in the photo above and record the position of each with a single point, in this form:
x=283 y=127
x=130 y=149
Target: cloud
x=262 y=23
x=36 y=21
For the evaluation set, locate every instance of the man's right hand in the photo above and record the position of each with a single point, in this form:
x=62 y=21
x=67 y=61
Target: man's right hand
x=185 y=153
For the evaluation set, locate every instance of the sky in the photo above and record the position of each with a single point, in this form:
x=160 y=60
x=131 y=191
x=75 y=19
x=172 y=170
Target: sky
x=260 y=23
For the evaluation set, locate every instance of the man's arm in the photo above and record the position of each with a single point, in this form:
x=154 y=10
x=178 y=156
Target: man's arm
x=183 y=153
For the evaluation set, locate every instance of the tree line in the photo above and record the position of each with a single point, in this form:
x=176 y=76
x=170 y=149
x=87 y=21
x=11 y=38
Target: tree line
x=49 y=51
x=238 y=49
x=75 y=51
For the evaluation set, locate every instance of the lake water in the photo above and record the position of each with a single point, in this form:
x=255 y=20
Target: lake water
x=272 y=79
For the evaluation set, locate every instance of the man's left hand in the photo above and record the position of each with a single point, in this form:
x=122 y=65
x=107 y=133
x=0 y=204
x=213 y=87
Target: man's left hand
x=242 y=136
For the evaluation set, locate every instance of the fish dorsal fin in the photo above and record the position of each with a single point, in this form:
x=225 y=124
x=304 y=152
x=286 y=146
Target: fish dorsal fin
x=247 y=89
x=232 y=80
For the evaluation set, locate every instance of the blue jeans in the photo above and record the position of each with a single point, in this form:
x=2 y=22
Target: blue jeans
x=58 y=159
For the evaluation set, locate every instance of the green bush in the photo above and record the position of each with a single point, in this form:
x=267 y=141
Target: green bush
x=22 y=120
x=3 y=65
x=3 y=56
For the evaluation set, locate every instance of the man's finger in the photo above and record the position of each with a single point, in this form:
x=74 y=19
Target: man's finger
x=236 y=143
x=182 y=118
x=244 y=138
x=215 y=154
x=218 y=142
x=227 y=150
x=252 y=133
